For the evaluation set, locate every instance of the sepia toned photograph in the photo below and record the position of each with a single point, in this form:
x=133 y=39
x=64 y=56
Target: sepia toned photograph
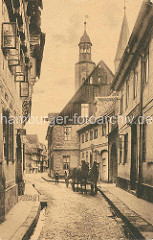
x=76 y=120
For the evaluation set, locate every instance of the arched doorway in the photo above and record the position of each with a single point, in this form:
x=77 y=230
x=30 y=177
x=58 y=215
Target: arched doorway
x=113 y=164
x=103 y=171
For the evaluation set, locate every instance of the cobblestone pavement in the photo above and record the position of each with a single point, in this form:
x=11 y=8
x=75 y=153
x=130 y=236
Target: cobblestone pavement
x=72 y=215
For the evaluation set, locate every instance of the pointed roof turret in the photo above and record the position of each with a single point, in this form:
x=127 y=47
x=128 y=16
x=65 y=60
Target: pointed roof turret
x=85 y=38
x=123 y=40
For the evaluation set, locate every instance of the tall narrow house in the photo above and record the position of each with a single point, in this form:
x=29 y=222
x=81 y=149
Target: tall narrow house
x=134 y=82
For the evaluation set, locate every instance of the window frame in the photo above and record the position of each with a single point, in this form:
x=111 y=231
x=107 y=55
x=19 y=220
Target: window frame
x=103 y=132
x=84 y=108
x=86 y=136
x=125 y=148
x=121 y=105
x=135 y=83
x=66 y=163
x=95 y=133
x=86 y=156
x=8 y=137
x=82 y=138
x=127 y=92
x=91 y=135
x=146 y=66
x=69 y=134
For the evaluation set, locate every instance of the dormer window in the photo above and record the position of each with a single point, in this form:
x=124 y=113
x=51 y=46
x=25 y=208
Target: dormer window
x=85 y=110
x=99 y=80
x=91 y=80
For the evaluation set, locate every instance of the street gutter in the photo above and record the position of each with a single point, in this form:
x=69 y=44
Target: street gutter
x=139 y=227
x=26 y=229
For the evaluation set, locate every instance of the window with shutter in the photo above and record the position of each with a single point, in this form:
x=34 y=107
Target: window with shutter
x=125 y=148
x=8 y=136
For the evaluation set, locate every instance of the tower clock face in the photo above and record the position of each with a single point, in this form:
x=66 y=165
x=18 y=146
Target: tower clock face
x=88 y=50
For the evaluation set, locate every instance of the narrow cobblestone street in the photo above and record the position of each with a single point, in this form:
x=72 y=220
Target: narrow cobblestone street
x=71 y=215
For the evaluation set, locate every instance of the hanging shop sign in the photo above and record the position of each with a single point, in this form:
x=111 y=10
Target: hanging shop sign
x=19 y=78
x=21 y=131
x=14 y=55
x=9 y=35
x=24 y=89
x=19 y=74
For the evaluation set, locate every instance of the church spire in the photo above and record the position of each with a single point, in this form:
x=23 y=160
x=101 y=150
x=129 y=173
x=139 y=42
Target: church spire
x=123 y=39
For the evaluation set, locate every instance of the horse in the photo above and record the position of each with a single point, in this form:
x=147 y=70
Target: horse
x=93 y=176
x=80 y=175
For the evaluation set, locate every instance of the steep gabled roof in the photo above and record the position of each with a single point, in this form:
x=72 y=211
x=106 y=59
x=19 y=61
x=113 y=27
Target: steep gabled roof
x=32 y=138
x=77 y=97
x=123 y=39
x=140 y=36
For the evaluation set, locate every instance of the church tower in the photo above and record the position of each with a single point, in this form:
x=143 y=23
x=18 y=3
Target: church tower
x=123 y=40
x=85 y=66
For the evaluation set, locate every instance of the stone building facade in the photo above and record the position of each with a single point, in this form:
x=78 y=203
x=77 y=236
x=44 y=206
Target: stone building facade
x=98 y=137
x=63 y=147
x=19 y=68
x=94 y=147
x=63 y=139
x=125 y=145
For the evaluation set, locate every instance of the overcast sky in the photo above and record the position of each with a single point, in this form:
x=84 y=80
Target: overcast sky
x=62 y=21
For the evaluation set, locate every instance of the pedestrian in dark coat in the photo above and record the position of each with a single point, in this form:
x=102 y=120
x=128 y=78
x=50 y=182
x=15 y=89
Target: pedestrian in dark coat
x=56 y=177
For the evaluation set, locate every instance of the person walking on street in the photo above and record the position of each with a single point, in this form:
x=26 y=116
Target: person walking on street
x=56 y=177
x=67 y=178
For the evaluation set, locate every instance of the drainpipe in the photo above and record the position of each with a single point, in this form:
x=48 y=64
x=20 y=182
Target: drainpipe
x=139 y=187
x=108 y=152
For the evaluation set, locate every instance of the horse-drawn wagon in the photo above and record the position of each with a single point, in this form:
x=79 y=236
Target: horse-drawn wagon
x=83 y=176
